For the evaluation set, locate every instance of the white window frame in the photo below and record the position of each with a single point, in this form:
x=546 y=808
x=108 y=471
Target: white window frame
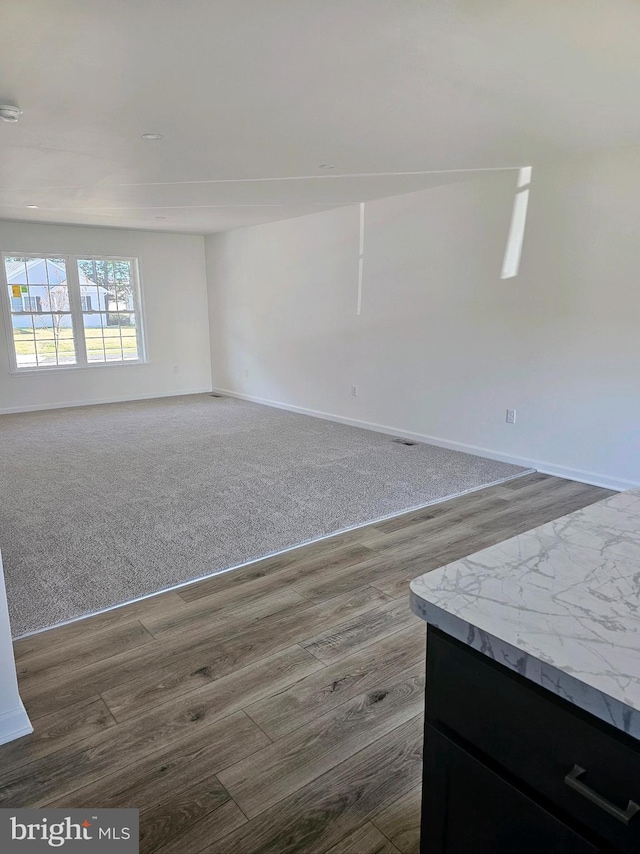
x=76 y=311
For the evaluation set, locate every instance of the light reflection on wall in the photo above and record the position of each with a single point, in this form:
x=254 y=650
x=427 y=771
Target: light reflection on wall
x=360 y=260
x=515 y=240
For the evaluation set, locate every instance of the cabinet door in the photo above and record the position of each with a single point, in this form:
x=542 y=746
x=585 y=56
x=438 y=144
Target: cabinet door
x=469 y=809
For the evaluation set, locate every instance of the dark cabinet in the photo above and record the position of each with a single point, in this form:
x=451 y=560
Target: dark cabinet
x=510 y=767
x=472 y=810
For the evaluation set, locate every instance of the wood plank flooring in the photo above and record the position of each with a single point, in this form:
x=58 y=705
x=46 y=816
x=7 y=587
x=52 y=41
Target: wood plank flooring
x=274 y=709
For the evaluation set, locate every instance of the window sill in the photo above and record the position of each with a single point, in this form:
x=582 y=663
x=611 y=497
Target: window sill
x=59 y=369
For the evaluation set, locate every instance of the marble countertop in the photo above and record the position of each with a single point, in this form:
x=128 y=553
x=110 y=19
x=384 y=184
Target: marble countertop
x=560 y=605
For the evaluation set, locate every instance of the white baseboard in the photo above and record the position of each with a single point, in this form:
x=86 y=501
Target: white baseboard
x=37 y=407
x=14 y=724
x=592 y=478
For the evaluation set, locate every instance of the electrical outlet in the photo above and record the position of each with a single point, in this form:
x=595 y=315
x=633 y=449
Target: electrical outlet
x=511 y=416
x=354 y=391
x=246 y=373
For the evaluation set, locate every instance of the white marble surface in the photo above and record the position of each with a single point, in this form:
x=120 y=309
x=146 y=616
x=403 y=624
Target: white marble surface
x=559 y=604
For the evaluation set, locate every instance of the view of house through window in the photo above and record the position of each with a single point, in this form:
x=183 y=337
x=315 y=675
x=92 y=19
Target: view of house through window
x=73 y=311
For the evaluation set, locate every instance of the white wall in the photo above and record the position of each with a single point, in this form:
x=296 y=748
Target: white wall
x=443 y=346
x=14 y=722
x=174 y=291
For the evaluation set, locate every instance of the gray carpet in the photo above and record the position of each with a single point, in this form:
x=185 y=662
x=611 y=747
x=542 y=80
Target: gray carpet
x=103 y=504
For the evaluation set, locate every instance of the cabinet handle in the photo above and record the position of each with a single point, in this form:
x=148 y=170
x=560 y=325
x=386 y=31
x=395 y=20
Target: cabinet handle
x=572 y=780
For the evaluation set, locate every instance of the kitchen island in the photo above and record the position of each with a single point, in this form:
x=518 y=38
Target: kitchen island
x=532 y=733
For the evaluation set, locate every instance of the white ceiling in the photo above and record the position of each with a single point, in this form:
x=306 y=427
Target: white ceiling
x=251 y=96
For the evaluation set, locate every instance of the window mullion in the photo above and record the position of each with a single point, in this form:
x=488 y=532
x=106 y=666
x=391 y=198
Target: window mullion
x=75 y=305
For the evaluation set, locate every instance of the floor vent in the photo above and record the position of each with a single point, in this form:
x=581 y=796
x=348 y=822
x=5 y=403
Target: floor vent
x=405 y=442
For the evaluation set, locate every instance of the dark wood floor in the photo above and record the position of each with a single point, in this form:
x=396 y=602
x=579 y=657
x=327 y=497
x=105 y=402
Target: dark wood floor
x=277 y=708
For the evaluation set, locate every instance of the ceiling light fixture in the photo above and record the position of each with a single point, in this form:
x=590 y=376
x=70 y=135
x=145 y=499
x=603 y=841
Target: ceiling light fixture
x=9 y=113
x=152 y=136
x=327 y=166
x=32 y=206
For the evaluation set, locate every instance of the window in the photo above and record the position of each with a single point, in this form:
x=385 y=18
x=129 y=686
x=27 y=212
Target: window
x=31 y=303
x=66 y=312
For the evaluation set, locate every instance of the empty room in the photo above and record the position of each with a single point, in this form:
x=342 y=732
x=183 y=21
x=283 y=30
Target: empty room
x=320 y=427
